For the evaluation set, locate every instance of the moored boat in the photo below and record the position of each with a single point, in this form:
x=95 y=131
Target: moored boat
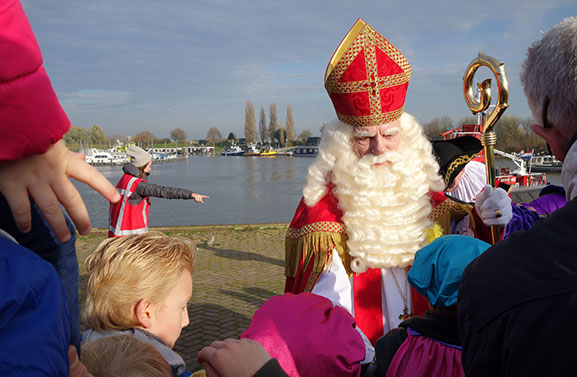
x=95 y=156
x=306 y=151
x=545 y=163
x=518 y=178
x=268 y=153
x=251 y=150
x=233 y=150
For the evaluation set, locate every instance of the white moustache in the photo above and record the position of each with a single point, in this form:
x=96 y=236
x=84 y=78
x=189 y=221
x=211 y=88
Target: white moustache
x=373 y=159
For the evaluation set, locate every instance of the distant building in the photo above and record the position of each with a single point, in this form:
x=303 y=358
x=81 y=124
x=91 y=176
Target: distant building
x=204 y=150
x=313 y=140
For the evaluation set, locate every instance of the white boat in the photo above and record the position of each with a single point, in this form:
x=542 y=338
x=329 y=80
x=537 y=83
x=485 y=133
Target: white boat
x=160 y=156
x=251 y=150
x=306 y=151
x=95 y=156
x=545 y=163
x=233 y=150
x=119 y=158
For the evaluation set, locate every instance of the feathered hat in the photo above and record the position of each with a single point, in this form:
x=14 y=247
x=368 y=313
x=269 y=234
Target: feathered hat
x=454 y=154
x=367 y=78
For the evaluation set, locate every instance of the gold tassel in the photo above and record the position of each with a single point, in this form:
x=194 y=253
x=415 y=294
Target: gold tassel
x=314 y=248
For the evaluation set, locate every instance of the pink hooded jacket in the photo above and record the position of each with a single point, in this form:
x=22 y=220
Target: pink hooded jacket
x=31 y=118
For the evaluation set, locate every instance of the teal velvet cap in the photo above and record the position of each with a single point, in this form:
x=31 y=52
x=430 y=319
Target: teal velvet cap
x=438 y=267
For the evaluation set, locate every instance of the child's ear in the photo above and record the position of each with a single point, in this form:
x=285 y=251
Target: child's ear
x=143 y=311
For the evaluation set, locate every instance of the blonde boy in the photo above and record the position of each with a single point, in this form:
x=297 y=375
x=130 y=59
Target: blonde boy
x=140 y=285
x=124 y=355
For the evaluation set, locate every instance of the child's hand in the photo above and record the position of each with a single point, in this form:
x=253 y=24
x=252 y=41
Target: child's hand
x=233 y=358
x=199 y=198
x=46 y=178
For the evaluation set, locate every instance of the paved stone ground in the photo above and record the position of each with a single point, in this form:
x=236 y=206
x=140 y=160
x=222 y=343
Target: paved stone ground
x=237 y=268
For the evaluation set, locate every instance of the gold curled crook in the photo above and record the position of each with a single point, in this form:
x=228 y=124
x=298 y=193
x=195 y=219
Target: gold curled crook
x=476 y=106
x=488 y=137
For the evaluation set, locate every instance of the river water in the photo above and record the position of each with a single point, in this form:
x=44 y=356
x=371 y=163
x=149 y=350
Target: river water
x=242 y=190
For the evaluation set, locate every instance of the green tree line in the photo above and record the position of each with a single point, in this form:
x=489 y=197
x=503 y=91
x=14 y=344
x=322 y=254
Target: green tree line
x=95 y=137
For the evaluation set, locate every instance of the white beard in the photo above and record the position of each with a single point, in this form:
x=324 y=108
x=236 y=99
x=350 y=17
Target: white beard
x=385 y=208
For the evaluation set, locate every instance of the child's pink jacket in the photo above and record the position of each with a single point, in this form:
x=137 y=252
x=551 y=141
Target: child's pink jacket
x=31 y=118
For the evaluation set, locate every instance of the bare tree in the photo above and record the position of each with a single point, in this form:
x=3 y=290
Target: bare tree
x=303 y=136
x=512 y=135
x=471 y=119
x=249 y=123
x=273 y=122
x=435 y=127
x=118 y=137
x=144 y=137
x=290 y=124
x=262 y=126
x=178 y=135
x=213 y=135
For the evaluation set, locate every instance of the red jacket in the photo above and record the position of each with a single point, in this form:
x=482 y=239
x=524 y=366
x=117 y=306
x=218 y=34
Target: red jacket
x=31 y=118
x=126 y=218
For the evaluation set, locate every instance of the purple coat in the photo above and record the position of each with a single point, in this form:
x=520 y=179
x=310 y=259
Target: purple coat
x=551 y=198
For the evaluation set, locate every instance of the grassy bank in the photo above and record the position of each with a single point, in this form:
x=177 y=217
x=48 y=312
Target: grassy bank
x=237 y=268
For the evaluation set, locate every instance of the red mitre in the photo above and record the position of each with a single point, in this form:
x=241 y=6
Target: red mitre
x=367 y=78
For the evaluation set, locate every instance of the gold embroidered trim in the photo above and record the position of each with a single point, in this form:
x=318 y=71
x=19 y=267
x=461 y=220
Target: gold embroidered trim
x=449 y=209
x=371 y=120
x=455 y=164
x=321 y=226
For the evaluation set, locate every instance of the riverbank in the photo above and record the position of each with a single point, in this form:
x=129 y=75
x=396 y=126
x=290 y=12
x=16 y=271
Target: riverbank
x=237 y=268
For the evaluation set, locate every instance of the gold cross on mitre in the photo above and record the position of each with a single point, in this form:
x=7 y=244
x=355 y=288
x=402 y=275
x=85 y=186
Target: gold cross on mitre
x=367 y=78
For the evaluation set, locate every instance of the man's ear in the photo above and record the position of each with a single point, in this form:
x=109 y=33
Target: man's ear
x=554 y=138
x=549 y=134
x=143 y=312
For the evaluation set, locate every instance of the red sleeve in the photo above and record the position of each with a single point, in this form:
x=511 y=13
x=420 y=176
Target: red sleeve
x=31 y=118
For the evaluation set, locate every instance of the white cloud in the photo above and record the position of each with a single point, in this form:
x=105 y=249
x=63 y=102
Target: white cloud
x=95 y=98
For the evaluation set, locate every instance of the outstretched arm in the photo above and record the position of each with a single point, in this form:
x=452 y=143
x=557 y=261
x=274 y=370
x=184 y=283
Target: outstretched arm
x=46 y=178
x=145 y=189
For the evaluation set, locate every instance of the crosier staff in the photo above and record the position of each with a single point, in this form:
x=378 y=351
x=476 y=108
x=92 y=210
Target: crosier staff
x=488 y=137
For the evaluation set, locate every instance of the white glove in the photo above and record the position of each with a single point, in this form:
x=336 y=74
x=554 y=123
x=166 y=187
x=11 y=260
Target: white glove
x=494 y=207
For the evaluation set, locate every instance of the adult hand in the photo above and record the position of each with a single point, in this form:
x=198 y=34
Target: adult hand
x=199 y=198
x=494 y=206
x=46 y=178
x=233 y=358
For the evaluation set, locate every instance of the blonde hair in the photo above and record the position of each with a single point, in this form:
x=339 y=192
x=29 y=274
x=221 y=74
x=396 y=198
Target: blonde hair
x=123 y=271
x=385 y=210
x=123 y=355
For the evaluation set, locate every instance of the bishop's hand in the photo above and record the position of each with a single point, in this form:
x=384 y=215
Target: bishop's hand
x=494 y=206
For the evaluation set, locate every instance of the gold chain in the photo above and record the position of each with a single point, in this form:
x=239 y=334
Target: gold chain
x=404 y=295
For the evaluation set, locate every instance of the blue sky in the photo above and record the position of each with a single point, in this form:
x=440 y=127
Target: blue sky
x=133 y=65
